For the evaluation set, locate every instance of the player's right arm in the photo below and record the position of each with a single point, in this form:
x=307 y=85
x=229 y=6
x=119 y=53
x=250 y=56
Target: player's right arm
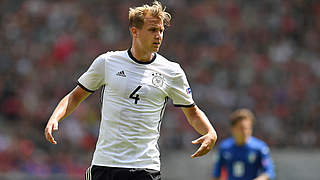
x=88 y=82
x=65 y=107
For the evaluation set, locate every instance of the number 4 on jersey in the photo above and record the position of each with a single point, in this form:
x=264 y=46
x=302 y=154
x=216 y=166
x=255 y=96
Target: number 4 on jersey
x=136 y=97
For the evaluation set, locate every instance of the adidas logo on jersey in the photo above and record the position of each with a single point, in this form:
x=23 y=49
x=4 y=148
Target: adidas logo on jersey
x=121 y=73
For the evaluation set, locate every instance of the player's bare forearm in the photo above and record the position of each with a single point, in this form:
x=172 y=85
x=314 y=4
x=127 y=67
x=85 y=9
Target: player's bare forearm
x=65 y=107
x=199 y=121
x=68 y=104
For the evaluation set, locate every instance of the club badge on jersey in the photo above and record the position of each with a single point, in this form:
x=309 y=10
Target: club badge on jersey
x=157 y=79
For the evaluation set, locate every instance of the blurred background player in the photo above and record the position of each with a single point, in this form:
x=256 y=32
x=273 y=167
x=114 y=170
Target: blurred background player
x=243 y=156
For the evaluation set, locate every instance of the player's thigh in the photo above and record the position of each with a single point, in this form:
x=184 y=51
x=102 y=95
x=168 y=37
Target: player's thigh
x=107 y=173
x=146 y=174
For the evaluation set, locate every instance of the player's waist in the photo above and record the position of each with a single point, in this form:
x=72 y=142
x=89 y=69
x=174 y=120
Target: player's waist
x=130 y=158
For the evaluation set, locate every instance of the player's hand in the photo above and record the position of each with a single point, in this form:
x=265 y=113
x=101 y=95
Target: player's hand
x=207 y=142
x=51 y=126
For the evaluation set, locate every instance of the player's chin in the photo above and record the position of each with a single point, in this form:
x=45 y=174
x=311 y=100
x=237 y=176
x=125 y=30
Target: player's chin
x=156 y=48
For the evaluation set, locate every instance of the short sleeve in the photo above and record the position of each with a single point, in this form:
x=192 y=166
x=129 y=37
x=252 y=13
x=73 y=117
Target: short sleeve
x=180 y=91
x=94 y=77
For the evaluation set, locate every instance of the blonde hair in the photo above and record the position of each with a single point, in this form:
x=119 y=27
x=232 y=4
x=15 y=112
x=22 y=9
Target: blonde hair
x=137 y=14
x=240 y=115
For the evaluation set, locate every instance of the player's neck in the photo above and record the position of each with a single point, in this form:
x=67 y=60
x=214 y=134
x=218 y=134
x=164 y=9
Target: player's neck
x=241 y=142
x=141 y=54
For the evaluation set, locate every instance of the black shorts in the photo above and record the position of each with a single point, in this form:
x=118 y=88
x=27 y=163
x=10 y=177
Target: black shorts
x=114 y=173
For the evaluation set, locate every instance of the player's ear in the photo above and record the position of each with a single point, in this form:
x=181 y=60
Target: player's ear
x=134 y=32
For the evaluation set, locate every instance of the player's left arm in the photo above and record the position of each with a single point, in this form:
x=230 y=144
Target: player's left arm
x=267 y=165
x=199 y=121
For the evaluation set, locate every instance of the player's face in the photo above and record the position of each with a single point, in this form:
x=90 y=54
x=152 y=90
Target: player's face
x=151 y=34
x=242 y=130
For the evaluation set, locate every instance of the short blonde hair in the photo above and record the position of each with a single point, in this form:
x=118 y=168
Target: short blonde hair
x=137 y=14
x=240 y=115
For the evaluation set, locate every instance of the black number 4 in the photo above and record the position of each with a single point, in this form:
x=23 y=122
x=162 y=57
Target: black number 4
x=136 y=98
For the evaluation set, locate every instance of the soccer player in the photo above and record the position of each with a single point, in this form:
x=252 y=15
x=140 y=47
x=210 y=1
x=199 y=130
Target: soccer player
x=136 y=84
x=243 y=156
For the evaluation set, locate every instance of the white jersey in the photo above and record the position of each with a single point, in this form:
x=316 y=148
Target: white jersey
x=134 y=97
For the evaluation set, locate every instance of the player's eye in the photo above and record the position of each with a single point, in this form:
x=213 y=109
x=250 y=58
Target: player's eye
x=152 y=29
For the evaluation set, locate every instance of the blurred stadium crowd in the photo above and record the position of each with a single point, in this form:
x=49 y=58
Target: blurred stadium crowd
x=263 y=55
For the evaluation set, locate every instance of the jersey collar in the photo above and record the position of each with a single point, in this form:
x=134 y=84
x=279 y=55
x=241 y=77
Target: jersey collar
x=141 y=62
